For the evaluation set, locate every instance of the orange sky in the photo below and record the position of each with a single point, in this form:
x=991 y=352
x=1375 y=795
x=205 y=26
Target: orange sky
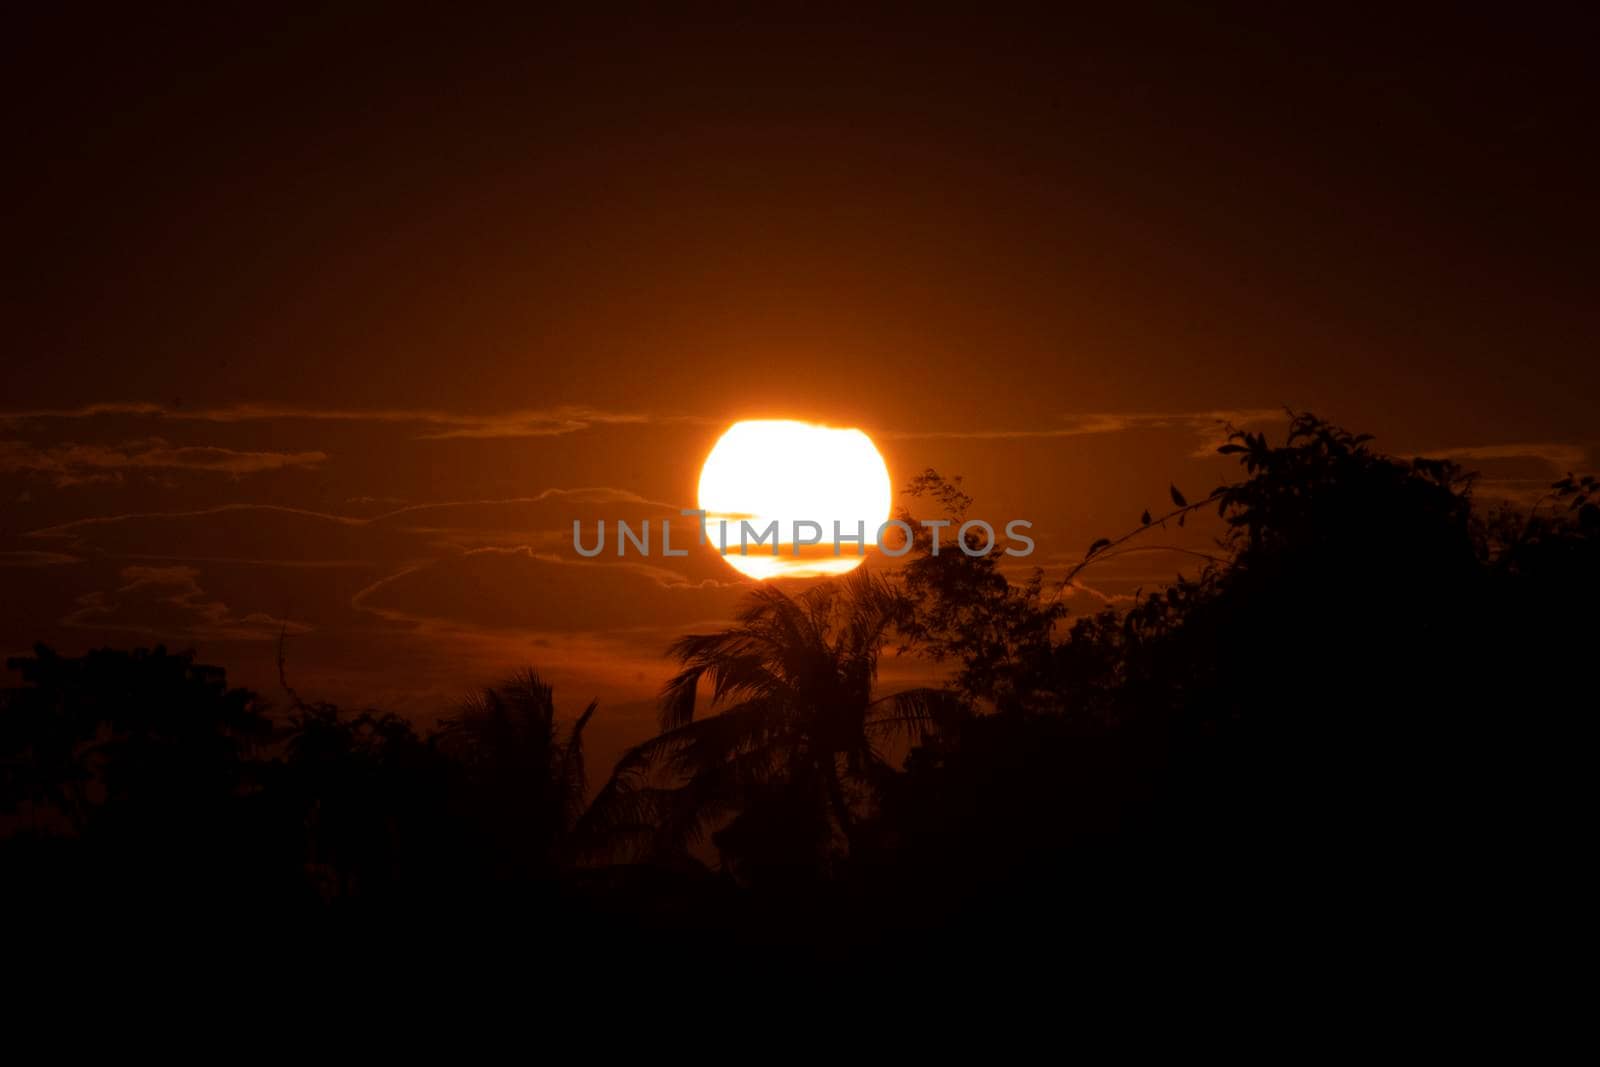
x=337 y=322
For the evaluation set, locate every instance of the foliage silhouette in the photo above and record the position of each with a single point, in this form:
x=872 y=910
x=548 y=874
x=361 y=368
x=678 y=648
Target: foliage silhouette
x=962 y=609
x=1327 y=707
x=795 y=754
x=1366 y=707
x=521 y=773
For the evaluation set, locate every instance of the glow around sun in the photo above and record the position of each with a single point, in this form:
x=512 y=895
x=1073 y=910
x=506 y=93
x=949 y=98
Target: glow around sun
x=766 y=470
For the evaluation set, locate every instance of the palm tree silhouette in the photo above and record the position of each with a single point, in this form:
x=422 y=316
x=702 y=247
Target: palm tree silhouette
x=795 y=750
x=524 y=771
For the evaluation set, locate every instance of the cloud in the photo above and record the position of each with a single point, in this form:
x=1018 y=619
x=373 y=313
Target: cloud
x=170 y=602
x=35 y=559
x=1077 y=588
x=520 y=589
x=1517 y=474
x=433 y=425
x=575 y=497
x=1557 y=456
x=572 y=496
x=514 y=557
x=285 y=536
x=1206 y=423
x=1560 y=457
x=74 y=464
x=242 y=516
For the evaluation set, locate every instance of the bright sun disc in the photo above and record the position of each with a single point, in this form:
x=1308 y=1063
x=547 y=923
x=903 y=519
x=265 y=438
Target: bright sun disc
x=768 y=470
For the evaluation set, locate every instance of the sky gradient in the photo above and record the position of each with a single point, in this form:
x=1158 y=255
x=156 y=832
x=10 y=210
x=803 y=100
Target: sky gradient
x=329 y=327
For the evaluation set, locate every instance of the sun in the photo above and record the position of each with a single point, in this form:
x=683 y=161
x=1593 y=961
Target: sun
x=769 y=470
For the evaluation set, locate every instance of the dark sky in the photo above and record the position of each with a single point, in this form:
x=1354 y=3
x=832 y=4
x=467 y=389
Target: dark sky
x=357 y=262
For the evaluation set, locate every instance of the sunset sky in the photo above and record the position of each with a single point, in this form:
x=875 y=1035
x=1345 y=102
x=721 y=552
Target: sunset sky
x=332 y=325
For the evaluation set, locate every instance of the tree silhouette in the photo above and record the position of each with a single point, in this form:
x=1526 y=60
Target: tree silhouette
x=1371 y=701
x=521 y=774
x=486 y=802
x=794 y=754
x=365 y=797
x=144 y=762
x=1352 y=692
x=960 y=608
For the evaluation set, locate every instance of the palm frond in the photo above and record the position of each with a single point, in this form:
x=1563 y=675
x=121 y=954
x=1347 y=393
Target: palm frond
x=918 y=713
x=792 y=680
x=730 y=661
x=574 y=773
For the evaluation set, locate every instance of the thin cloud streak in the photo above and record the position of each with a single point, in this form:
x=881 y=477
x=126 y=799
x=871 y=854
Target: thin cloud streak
x=72 y=464
x=438 y=425
x=66 y=529
x=1560 y=456
x=23 y=558
x=600 y=494
x=1105 y=422
x=178 y=590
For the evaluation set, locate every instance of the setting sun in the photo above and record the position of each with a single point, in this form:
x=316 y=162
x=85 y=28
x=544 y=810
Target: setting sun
x=770 y=470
